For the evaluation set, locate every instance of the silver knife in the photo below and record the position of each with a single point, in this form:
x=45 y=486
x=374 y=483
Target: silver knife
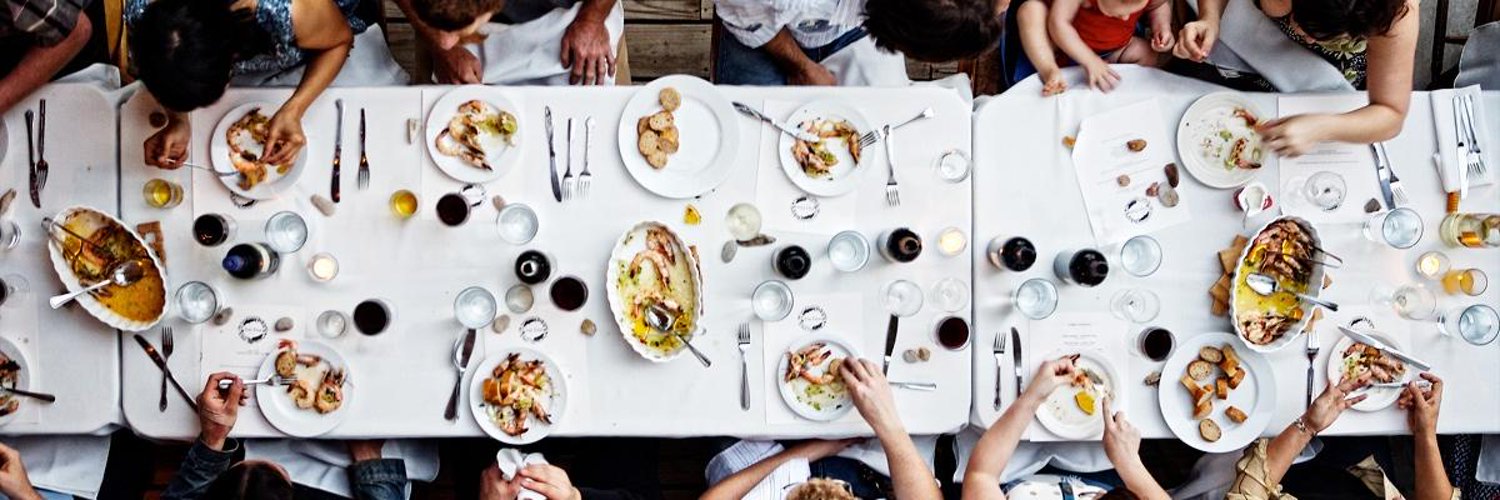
x=451 y=413
x=162 y=364
x=552 y=158
x=338 y=151
x=999 y=360
x=1388 y=350
x=1383 y=175
x=784 y=128
x=890 y=342
x=1015 y=352
x=1462 y=151
x=36 y=195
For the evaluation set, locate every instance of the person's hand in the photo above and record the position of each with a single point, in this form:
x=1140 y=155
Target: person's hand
x=1053 y=83
x=1422 y=404
x=217 y=411
x=13 y=480
x=1102 y=77
x=1196 y=41
x=1292 y=136
x=168 y=147
x=871 y=394
x=361 y=450
x=818 y=449
x=549 y=480
x=586 y=51
x=456 y=66
x=493 y=486
x=1050 y=376
x=1162 y=40
x=1332 y=403
x=285 y=139
x=812 y=74
x=1122 y=442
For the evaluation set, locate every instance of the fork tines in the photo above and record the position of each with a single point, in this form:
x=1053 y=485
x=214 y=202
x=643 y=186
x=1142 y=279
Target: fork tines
x=364 y=176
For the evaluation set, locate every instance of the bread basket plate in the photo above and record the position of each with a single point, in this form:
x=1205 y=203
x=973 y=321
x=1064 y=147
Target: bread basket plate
x=1256 y=396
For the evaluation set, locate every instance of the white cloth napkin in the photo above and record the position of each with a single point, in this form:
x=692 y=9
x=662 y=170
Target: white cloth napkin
x=324 y=464
x=1447 y=138
x=65 y=464
x=1255 y=40
x=862 y=64
x=511 y=461
x=530 y=53
x=744 y=454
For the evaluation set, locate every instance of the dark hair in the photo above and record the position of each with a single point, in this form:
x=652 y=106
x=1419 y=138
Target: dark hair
x=454 y=15
x=185 y=50
x=1328 y=19
x=934 y=30
x=1120 y=493
x=250 y=481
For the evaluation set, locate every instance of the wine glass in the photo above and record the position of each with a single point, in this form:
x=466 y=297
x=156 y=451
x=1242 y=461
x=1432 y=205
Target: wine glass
x=903 y=298
x=1325 y=190
x=1136 y=305
x=1414 y=302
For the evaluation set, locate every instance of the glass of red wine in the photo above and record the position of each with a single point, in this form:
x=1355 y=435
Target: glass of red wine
x=373 y=317
x=952 y=333
x=453 y=209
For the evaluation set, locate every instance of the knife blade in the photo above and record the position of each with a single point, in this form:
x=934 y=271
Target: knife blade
x=552 y=157
x=36 y=195
x=1388 y=350
x=1015 y=352
x=784 y=128
x=1383 y=175
x=451 y=412
x=1462 y=151
x=162 y=364
x=890 y=342
x=338 y=151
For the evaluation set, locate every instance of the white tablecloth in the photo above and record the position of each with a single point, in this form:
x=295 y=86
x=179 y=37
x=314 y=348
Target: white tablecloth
x=404 y=376
x=1019 y=153
x=72 y=355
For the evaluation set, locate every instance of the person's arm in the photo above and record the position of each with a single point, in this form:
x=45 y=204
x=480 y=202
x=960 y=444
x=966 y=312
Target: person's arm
x=212 y=452
x=739 y=484
x=1160 y=13
x=995 y=447
x=910 y=476
x=1323 y=412
x=14 y=483
x=320 y=28
x=1422 y=407
x=1065 y=37
x=1122 y=444
x=586 y=50
x=800 y=69
x=40 y=64
x=373 y=477
x=1197 y=37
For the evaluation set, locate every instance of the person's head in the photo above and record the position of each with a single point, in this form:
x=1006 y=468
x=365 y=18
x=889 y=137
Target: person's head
x=251 y=480
x=455 y=19
x=934 y=30
x=184 y=50
x=1330 y=19
x=821 y=489
x=1120 y=9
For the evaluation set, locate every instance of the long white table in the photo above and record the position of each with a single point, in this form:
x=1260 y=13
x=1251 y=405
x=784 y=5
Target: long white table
x=72 y=355
x=1019 y=153
x=403 y=377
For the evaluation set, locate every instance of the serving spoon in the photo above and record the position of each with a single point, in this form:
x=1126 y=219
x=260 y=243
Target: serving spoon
x=1266 y=285
x=123 y=274
x=660 y=319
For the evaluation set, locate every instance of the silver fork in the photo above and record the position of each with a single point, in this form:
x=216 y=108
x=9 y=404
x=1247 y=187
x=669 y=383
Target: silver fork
x=1312 y=357
x=1398 y=191
x=872 y=136
x=892 y=193
x=585 y=178
x=744 y=344
x=273 y=380
x=1476 y=156
x=166 y=354
x=568 y=182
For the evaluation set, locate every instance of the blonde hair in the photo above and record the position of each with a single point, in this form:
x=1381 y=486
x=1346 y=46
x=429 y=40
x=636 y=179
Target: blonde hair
x=821 y=489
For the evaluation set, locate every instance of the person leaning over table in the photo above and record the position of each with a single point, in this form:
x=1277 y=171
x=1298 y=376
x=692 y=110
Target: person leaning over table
x=843 y=478
x=547 y=42
x=38 y=39
x=186 y=52
x=1122 y=444
x=1372 y=42
x=810 y=42
x=935 y=30
x=209 y=470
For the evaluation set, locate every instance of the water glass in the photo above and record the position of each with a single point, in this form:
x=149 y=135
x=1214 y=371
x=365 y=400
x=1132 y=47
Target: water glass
x=771 y=301
x=1325 y=190
x=1141 y=256
x=1135 y=305
x=517 y=223
x=848 y=251
x=902 y=298
x=519 y=299
x=953 y=166
x=10 y=234
x=475 y=307
x=1477 y=324
x=332 y=324
x=1036 y=298
x=950 y=295
x=197 y=302
x=1400 y=228
x=286 y=232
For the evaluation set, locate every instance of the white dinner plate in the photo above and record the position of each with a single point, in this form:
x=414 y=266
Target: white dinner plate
x=1201 y=122
x=1060 y=413
x=1256 y=396
x=629 y=244
x=500 y=155
x=817 y=407
x=275 y=184
x=536 y=430
x=709 y=138
x=276 y=404
x=844 y=176
x=23 y=377
x=1377 y=398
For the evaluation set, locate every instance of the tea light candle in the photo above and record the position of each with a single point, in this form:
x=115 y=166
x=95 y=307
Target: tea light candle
x=952 y=241
x=1432 y=265
x=323 y=267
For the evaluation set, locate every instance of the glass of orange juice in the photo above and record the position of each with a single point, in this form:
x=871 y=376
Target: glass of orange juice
x=1471 y=282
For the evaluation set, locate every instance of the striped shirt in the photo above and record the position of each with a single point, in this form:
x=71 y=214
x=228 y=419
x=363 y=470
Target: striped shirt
x=44 y=22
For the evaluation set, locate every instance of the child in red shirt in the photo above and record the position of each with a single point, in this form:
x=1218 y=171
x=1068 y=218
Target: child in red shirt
x=1093 y=33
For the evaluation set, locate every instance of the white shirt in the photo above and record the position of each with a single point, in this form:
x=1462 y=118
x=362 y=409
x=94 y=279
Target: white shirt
x=812 y=23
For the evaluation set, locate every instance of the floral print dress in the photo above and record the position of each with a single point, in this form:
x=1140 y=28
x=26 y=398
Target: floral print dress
x=1345 y=53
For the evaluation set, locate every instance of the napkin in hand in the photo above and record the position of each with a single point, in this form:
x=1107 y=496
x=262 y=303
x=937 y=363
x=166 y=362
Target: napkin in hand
x=511 y=461
x=1445 y=129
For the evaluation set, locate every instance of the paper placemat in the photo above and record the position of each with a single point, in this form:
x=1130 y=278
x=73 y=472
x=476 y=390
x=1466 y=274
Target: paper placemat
x=18 y=323
x=1354 y=162
x=1115 y=178
x=242 y=344
x=775 y=193
x=1066 y=333
x=844 y=323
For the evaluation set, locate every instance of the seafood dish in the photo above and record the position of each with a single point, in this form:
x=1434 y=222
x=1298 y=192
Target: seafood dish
x=516 y=392
x=467 y=131
x=105 y=244
x=1089 y=389
x=10 y=376
x=1359 y=359
x=1284 y=250
x=657 y=137
x=1075 y=410
x=816 y=160
x=811 y=380
x=1212 y=376
x=247 y=138
x=318 y=385
x=652 y=269
x=1229 y=140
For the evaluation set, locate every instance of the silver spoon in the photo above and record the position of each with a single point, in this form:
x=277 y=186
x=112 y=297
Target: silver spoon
x=123 y=275
x=658 y=318
x=1266 y=285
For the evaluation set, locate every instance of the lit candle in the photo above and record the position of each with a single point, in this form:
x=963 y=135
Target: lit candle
x=1432 y=265
x=323 y=267
x=952 y=241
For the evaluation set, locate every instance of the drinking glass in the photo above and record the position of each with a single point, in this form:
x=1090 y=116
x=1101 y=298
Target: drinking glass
x=474 y=307
x=332 y=324
x=517 y=223
x=743 y=221
x=212 y=230
x=162 y=193
x=1141 y=256
x=950 y=295
x=404 y=203
x=323 y=267
x=1433 y=265
x=848 y=251
x=519 y=299
x=1135 y=305
x=1471 y=282
x=1036 y=298
x=1477 y=324
x=374 y=317
x=10 y=234
x=197 y=302
x=1156 y=343
x=286 y=232
x=1325 y=190
x=1400 y=228
x=453 y=209
x=902 y=298
x=11 y=286
x=1414 y=302
x=771 y=300
x=953 y=166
